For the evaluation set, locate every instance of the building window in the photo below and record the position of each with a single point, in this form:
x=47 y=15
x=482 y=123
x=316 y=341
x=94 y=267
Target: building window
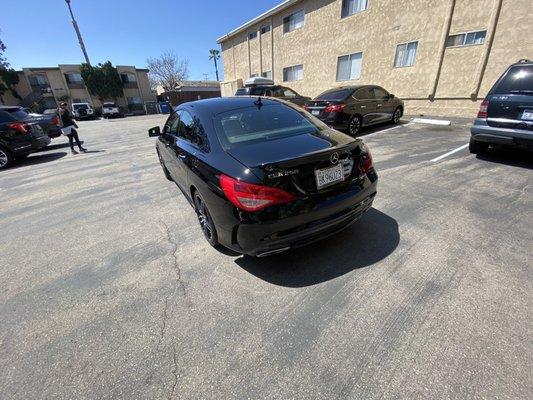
x=350 y=7
x=265 y=29
x=349 y=67
x=252 y=35
x=294 y=73
x=128 y=78
x=293 y=21
x=134 y=100
x=405 y=54
x=267 y=74
x=73 y=77
x=38 y=80
x=466 y=39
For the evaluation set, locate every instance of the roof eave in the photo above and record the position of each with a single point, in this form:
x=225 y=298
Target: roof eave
x=274 y=10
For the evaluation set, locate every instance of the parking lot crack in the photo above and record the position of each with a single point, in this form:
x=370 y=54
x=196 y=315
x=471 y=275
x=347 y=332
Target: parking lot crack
x=176 y=266
x=174 y=373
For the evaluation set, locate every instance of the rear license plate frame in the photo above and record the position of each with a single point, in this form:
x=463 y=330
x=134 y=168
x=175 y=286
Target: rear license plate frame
x=324 y=179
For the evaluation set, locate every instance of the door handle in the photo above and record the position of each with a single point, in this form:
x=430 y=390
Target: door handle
x=379 y=105
x=182 y=156
x=363 y=106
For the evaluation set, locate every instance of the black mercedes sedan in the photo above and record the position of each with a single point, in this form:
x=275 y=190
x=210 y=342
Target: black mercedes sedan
x=349 y=108
x=264 y=175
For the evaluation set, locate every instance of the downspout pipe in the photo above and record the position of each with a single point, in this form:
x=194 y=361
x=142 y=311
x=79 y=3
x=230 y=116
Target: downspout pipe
x=488 y=47
x=444 y=36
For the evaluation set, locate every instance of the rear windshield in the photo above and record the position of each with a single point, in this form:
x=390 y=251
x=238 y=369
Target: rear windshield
x=518 y=79
x=16 y=112
x=335 y=95
x=80 y=106
x=241 y=92
x=260 y=124
x=109 y=105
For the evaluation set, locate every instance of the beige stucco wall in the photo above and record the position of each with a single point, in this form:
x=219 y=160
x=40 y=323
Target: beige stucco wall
x=376 y=32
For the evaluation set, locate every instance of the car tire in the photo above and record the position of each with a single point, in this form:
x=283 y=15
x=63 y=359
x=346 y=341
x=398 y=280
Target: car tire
x=6 y=158
x=397 y=115
x=477 y=147
x=165 y=170
x=354 y=126
x=205 y=220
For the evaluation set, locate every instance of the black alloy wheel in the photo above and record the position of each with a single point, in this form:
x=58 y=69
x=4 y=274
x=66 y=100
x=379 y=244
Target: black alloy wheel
x=205 y=220
x=354 y=126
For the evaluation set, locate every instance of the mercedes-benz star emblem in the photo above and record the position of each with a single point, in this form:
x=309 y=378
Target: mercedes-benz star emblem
x=334 y=158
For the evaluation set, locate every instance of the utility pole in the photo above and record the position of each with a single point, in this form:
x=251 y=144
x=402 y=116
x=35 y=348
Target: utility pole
x=80 y=40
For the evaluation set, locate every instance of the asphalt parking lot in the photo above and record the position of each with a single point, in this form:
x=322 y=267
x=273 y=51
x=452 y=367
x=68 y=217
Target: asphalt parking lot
x=110 y=291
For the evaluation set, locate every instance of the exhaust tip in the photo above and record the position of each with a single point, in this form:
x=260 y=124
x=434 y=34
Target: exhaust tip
x=272 y=252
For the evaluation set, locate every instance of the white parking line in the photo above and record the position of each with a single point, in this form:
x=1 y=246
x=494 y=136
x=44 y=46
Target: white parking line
x=450 y=153
x=388 y=129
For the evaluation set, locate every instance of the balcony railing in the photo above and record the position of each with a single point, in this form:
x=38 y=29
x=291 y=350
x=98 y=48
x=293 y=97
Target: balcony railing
x=130 y=85
x=76 y=85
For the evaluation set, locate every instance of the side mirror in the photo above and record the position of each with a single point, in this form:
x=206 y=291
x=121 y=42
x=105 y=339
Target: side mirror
x=154 y=132
x=391 y=96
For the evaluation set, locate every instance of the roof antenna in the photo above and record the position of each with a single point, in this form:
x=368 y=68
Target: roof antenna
x=258 y=103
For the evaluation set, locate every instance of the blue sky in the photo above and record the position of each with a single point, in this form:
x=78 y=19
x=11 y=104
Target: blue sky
x=126 y=32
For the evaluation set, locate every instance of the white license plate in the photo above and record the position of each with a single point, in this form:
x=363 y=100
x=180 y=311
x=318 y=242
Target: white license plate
x=329 y=176
x=528 y=114
x=315 y=112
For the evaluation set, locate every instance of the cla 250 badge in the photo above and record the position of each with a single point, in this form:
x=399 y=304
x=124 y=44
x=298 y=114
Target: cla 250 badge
x=286 y=172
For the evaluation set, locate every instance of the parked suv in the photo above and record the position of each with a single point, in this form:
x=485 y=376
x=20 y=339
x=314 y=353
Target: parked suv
x=48 y=122
x=110 y=109
x=505 y=117
x=265 y=87
x=350 y=108
x=18 y=138
x=82 y=111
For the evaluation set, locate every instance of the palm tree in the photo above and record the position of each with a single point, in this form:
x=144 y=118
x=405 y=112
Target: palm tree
x=214 y=55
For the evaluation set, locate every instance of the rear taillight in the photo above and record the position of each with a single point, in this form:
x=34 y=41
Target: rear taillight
x=334 y=108
x=250 y=197
x=365 y=164
x=306 y=108
x=19 y=126
x=482 y=113
x=55 y=120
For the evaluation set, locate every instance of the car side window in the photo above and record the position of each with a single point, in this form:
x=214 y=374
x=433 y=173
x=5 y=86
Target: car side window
x=255 y=91
x=277 y=91
x=192 y=130
x=172 y=124
x=289 y=93
x=380 y=94
x=363 y=94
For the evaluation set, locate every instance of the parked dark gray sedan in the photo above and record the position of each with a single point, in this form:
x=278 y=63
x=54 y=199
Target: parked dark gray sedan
x=349 y=108
x=48 y=122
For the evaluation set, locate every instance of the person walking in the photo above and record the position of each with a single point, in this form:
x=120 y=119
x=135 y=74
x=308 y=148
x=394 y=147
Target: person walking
x=69 y=128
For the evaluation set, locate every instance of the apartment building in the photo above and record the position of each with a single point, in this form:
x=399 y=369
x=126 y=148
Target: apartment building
x=48 y=86
x=440 y=56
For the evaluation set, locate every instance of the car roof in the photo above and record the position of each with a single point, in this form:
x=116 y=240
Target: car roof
x=5 y=108
x=218 y=105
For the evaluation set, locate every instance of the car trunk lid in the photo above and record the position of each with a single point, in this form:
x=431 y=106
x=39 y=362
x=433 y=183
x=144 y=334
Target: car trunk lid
x=291 y=163
x=510 y=111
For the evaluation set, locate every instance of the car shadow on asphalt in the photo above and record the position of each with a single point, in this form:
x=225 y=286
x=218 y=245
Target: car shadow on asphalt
x=512 y=157
x=57 y=146
x=371 y=239
x=34 y=159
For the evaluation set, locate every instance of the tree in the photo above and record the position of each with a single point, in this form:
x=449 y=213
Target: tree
x=9 y=78
x=214 y=55
x=102 y=81
x=168 y=70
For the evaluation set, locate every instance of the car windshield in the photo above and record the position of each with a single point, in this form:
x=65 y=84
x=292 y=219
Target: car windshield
x=16 y=112
x=80 y=106
x=519 y=79
x=241 y=92
x=263 y=123
x=335 y=95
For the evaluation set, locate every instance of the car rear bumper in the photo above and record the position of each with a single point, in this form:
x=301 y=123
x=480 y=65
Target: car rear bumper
x=306 y=225
x=482 y=132
x=336 y=120
x=35 y=144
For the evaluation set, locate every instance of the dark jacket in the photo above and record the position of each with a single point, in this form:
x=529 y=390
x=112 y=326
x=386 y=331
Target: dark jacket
x=66 y=118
